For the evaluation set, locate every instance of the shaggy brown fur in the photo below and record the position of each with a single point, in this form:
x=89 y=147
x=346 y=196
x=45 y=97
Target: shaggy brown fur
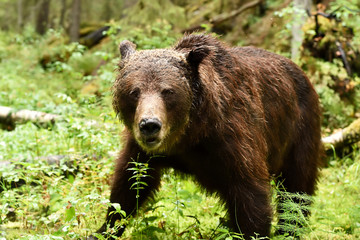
x=231 y=117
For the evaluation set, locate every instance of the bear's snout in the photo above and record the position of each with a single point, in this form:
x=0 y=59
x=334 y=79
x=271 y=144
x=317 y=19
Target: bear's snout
x=149 y=127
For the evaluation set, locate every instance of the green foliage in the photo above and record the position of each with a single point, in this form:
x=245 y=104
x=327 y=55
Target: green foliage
x=50 y=203
x=140 y=173
x=282 y=38
x=349 y=11
x=338 y=111
x=335 y=212
x=319 y=60
x=293 y=219
x=157 y=35
x=148 y=12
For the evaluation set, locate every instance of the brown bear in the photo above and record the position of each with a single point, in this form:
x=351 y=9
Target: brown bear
x=234 y=118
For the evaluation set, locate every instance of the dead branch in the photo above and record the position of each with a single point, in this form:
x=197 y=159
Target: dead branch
x=224 y=16
x=343 y=58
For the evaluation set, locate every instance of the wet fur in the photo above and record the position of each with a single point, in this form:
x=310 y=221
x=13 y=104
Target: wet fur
x=248 y=114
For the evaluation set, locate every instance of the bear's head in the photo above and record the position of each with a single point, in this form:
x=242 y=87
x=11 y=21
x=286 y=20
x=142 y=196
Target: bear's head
x=154 y=93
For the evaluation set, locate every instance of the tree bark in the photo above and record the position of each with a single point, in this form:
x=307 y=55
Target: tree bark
x=42 y=17
x=20 y=14
x=299 y=18
x=62 y=14
x=75 y=21
x=107 y=11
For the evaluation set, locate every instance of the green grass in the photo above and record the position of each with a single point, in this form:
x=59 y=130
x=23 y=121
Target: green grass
x=336 y=212
x=54 y=206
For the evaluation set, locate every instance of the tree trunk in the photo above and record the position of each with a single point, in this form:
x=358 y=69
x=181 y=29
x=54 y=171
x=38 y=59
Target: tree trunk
x=107 y=11
x=62 y=14
x=75 y=21
x=299 y=18
x=20 y=14
x=42 y=17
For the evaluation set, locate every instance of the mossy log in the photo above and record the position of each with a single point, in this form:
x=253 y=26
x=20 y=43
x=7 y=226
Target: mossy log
x=344 y=137
x=94 y=37
x=9 y=117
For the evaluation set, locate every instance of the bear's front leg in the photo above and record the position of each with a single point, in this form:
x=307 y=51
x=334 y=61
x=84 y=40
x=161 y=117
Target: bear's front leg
x=123 y=181
x=249 y=208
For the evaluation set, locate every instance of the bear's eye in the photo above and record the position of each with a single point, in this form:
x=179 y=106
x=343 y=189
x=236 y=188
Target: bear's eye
x=167 y=92
x=135 y=93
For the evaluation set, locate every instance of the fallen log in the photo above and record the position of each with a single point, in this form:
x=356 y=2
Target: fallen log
x=9 y=117
x=344 y=137
x=94 y=37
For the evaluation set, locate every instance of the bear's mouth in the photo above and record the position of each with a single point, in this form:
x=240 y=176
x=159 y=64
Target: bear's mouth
x=151 y=142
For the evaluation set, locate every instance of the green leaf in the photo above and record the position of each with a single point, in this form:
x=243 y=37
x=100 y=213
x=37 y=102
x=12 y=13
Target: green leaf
x=222 y=236
x=69 y=214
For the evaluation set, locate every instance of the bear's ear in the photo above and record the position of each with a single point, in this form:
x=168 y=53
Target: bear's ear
x=197 y=55
x=126 y=49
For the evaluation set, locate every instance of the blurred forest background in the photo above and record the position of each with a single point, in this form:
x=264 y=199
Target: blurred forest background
x=59 y=135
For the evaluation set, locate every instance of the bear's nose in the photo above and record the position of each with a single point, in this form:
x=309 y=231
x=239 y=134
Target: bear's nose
x=149 y=126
